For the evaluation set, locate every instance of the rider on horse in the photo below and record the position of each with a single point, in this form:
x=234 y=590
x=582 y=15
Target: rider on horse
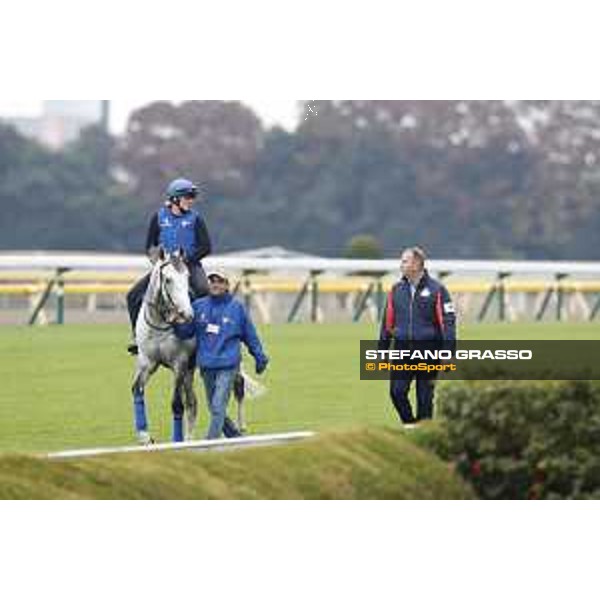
x=176 y=225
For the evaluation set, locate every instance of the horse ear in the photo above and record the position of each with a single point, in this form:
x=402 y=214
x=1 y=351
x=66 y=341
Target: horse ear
x=180 y=253
x=161 y=254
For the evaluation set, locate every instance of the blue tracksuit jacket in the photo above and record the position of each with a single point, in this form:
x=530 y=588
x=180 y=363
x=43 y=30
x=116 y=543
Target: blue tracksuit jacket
x=220 y=325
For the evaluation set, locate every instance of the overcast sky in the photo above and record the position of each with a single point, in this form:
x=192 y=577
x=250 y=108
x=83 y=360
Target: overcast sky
x=281 y=112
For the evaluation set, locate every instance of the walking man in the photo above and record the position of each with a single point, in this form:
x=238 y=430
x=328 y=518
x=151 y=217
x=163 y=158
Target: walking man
x=419 y=309
x=220 y=325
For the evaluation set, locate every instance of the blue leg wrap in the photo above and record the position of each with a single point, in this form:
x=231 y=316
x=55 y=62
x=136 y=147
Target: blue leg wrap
x=139 y=405
x=177 y=430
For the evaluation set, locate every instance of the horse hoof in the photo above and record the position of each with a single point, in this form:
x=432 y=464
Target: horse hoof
x=145 y=439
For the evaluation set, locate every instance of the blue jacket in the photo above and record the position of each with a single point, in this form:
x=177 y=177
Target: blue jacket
x=220 y=325
x=429 y=315
x=178 y=232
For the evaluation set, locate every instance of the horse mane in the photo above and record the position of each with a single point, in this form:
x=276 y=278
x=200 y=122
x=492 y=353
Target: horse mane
x=152 y=291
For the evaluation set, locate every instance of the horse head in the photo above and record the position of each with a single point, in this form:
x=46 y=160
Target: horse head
x=169 y=288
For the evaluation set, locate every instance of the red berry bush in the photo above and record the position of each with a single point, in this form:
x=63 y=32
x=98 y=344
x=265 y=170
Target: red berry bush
x=522 y=439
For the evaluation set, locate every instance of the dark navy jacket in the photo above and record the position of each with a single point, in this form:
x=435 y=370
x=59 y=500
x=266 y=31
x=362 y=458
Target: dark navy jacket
x=220 y=325
x=428 y=316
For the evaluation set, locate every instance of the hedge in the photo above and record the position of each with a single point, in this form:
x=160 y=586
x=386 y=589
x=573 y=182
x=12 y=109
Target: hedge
x=522 y=440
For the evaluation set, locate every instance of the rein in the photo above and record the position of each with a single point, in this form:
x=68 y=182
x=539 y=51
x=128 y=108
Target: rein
x=160 y=306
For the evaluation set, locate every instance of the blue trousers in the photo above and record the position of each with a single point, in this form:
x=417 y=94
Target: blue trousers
x=399 y=389
x=218 y=384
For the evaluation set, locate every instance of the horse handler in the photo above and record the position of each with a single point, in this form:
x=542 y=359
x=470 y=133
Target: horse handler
x=220 y=325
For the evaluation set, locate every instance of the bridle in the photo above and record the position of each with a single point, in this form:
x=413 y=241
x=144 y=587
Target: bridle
x=165 y=305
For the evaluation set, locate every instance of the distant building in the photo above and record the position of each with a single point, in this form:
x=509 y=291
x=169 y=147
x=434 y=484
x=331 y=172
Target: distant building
x=62 y=121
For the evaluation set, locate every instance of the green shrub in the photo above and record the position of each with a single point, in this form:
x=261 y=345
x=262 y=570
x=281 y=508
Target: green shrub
x=520 y=440
x=363 y=246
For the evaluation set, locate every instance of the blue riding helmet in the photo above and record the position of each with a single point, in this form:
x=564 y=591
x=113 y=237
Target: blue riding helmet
x=180 y=188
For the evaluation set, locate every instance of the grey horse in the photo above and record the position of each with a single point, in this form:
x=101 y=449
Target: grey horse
x=167 y=303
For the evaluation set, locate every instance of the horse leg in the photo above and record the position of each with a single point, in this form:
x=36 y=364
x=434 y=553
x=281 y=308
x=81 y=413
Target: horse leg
x=241 y=421
x=191 y=405
x=239 y=392
x=177 y=404
x=144 y=371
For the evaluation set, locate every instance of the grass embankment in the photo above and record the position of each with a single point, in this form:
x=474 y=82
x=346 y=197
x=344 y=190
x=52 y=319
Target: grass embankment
x=374 y=463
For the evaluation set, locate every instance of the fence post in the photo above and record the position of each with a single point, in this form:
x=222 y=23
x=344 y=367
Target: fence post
x=46 y=295
x=60 y=301
x=560 y=295
x=314 y=298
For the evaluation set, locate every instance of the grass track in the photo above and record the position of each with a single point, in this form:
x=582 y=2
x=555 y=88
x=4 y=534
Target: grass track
x=68 y=387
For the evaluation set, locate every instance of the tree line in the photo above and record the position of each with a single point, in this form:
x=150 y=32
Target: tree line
x=465 y=179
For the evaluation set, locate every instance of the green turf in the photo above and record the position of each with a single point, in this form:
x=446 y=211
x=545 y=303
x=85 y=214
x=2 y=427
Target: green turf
x=68 y=387
x=355 y=464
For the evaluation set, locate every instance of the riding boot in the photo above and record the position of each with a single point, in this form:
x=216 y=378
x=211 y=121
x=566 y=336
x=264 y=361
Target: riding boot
x=198 y=281
x=134 y=309
x=135 y=299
